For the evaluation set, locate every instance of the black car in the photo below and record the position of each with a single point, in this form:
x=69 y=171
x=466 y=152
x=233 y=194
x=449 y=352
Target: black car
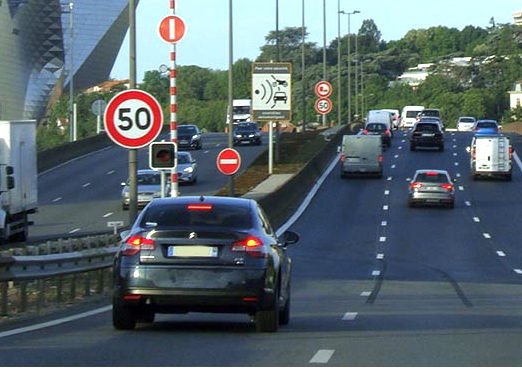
x=376 y=128
x=427 y=134
x=203 y=254
x=189 y=136
x=246 y=133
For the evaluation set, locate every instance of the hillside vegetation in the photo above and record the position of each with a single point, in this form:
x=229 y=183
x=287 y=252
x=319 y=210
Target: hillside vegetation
x=479 y=88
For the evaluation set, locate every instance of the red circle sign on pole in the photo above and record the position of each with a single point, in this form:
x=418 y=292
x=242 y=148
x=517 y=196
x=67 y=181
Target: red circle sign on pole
x=323 y=105
x=323 y=89
x=133 y=119
x=171 y=29
x=228 y=161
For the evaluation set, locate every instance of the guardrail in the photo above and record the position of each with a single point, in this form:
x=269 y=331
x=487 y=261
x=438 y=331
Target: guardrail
x=48 y=275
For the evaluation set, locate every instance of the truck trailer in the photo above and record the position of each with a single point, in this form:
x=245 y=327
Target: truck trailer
x=18 y=178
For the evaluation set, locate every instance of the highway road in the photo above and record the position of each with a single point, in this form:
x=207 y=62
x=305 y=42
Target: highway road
x=375 y=283
x=82 y=196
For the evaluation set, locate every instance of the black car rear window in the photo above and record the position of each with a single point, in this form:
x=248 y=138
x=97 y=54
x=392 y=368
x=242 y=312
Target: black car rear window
x=430 y=113
x=376 y=127
x=202 y=216
x=427 y=127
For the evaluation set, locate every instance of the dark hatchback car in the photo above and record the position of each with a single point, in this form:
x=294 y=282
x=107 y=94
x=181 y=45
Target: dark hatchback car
x=375 y=128
x=189 y=136
x=427 y=134
x=246 y=133
x=203 y=254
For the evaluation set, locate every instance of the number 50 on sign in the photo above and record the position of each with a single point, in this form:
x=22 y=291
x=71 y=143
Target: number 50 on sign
x=323 y=105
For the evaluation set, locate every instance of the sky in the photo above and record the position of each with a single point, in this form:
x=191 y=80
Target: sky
x=206 y=41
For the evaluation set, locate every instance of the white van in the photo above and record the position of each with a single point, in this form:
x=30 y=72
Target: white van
x=409 y=115
x=491 y=155
x=380 y=116
x=361 y=154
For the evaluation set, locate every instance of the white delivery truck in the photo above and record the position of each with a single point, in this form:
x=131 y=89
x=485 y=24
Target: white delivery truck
x=241 y=110
x=18 y=178
x=409 y=115
x=491 y=155
x=361 y=154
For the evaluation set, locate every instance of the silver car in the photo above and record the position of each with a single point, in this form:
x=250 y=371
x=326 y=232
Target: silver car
x=187 y=168
x=149 y=188
x=466 y=123
x=431 y=187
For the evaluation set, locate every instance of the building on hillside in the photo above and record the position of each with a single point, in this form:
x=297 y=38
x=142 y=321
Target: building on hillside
x=35 y=50
x=517 y=17
x=515 y=95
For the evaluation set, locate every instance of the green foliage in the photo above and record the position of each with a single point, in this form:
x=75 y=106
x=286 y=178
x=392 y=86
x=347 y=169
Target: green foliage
x=478 y=89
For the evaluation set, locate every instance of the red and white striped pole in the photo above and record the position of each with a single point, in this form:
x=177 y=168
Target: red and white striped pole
x=173 y=108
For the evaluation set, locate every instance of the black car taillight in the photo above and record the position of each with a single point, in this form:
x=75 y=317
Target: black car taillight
x=136 y=244
x=251 y=246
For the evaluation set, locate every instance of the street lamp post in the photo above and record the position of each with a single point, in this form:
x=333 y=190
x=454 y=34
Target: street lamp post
x=338 y=62
x=349 y=66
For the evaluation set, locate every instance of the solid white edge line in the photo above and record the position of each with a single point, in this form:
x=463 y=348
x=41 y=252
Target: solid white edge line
x=307 y=199
x=55 y=322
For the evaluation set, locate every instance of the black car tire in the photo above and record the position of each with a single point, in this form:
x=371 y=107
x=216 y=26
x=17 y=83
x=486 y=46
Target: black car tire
x=268 y=320
x=284 y=314
x=123 y=318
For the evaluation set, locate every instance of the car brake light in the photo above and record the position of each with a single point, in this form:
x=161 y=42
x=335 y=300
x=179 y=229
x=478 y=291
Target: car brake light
x=432 y=173
x=447 y=186
x=387 y=132
x=379 y=159
x=510 y=152
x=416 y=185
x=136 y=244
x=199 y=207
x=365 y=131
x=251 y=245
x=473 y=152
x=343 y=157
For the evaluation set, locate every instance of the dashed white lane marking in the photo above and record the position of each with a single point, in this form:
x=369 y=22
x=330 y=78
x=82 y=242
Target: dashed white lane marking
x=86 y=185
x=349 y=316
x=108 y=214
x=111 y=172
x=57 y=199
x=501 y=254
x=385 y=207
x=322 y=356
x=376 y=273
x=486 y=235
x=389 y=178
x=365 y=293
x=387 y=192
x=382 y=239
x=467 y=203
x=518 y=271
x=73 y=231
x=461 y=188
x=380 y=256
x=476 y=219
x=384 y=223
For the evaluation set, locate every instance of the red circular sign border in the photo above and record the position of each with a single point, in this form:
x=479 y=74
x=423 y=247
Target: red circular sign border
x=220 y=167
x=317 y=105
x=317 y=89
x=146 y=139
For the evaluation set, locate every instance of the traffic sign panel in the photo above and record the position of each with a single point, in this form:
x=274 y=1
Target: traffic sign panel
x=133 y=119
x=323 y=89
x=228 y=161
x=171 y=29
x=323 y=105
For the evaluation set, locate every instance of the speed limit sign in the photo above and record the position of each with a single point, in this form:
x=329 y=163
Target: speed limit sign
x=323 y=105
x=133 y=119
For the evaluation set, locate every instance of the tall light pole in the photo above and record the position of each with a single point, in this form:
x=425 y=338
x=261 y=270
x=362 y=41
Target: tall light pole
x=230 y=90
x=303 y=64
x=349 y=66
x=338 y=62
x=324 y=50
x=72 y=124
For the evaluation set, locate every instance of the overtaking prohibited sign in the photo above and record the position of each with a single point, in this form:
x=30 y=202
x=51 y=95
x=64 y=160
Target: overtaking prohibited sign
x=133 y=119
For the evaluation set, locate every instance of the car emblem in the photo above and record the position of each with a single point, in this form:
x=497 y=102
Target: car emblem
x=193 y=235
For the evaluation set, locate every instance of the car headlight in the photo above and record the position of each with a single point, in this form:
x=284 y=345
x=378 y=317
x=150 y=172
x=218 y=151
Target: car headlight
x=189 y=169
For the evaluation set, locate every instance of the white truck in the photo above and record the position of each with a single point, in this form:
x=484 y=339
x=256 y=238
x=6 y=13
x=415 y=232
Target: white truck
x=18 y=178
x=491 y=155
x=241 y=110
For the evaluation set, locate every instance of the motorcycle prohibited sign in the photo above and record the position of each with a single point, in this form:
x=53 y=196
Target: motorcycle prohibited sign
x=133 y=119
x=323 y=105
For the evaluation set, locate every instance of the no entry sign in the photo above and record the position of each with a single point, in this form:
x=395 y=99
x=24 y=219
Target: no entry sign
x=171 y=29
x=228 y=161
